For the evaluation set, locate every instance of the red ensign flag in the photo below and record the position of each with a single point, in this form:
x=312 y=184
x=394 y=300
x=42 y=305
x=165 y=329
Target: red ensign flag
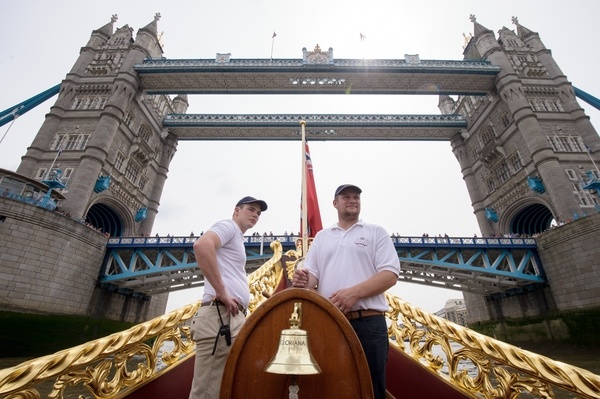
x=314 y=214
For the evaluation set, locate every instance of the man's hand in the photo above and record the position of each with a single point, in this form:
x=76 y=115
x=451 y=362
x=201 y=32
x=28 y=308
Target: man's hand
x=300 y=279
x=344 y=299
x=230 y=303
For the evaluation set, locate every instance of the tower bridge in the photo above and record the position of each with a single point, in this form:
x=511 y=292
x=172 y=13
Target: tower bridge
x=522 y=141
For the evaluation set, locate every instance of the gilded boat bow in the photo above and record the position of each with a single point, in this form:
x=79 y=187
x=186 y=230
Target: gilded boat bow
x=120 y=363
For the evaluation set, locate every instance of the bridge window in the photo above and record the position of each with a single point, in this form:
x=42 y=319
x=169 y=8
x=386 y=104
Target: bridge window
x=144 y=132
x=515 y=161
x=76 y=103
x=64 y=178
x=491 y=185
x=585 y=197
x=571 y=174
x=566 y=143
x=89 y=102
x=128 y=120
x=119 y=161
x=132 y=170
x=70 y=142
x=487 y=135
x=143 y=182
x=554 y=105
x=502 y=172
x=537 y=104
x=119 y=41
x=41 y=174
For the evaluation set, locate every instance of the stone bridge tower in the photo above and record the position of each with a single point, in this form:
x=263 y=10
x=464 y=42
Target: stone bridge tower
x=106 y=136
x=525 y=154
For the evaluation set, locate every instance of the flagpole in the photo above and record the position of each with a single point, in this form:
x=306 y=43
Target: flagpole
x=589 y=152
x=272 y=44
x=52 y=164
x=304 y=227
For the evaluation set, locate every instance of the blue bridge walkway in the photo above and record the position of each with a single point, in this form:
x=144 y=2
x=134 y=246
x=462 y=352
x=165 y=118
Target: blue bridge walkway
x=154 y=265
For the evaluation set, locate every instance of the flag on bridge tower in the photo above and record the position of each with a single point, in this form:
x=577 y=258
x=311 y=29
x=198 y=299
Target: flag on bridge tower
x=310 y=223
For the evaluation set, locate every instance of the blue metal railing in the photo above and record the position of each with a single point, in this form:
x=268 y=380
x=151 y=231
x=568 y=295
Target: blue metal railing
x=285 y=240
x=479 y=242
x=43 y=202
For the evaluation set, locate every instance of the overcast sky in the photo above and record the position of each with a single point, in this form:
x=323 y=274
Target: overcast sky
x=410 y=188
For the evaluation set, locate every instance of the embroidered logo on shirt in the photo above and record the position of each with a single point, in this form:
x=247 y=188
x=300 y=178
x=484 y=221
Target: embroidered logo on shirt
x=361 y=242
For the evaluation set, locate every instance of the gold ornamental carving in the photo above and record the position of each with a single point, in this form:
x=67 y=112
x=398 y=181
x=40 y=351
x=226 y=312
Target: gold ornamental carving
x=499 y=370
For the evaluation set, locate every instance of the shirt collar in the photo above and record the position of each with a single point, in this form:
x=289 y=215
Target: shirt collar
x=359 y=223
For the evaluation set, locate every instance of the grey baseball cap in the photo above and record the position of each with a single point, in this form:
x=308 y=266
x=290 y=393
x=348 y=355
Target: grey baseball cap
x=345 y=186
x=248 y=200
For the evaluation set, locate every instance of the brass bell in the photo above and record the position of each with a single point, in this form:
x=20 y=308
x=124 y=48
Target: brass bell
x=293 y=356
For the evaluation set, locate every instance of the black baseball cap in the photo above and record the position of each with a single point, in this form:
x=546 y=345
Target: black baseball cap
x=248 y=200
x=345 y=186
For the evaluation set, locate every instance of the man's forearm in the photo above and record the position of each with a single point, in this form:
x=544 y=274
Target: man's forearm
x=377 y=284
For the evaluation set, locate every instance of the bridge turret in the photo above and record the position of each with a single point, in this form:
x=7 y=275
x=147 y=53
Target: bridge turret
x=446 y=104
x=149 y=40
x=101 y=36
x=180 y=104
x=485 y=40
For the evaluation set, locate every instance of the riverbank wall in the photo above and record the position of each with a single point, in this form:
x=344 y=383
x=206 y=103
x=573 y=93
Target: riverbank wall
x=49 y=264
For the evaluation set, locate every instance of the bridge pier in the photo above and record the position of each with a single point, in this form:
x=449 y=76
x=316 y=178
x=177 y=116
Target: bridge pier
x=51 y=266
x=570 y=255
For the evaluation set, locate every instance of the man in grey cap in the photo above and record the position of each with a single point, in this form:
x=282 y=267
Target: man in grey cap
x=221 y=258
x=353 y=263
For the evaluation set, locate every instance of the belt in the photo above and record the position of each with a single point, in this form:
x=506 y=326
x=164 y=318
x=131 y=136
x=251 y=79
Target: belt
x=357 y=314
x=219 y=303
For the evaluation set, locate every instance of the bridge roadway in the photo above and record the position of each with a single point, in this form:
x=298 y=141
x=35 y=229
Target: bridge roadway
x=317 y=72
x=153 y=265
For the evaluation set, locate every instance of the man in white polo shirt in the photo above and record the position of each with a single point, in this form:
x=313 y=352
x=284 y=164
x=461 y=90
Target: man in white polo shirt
x=221 y=258
x=353 y=263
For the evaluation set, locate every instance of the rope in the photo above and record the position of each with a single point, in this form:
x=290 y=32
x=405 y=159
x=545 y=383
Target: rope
x=9 y=126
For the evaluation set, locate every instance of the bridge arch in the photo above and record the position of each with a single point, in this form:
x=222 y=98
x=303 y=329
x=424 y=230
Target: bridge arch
x=527 y=217
x=110 y=217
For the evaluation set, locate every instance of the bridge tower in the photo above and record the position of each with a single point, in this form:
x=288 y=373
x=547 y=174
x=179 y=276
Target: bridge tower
x=524 y=156
x=106 y=137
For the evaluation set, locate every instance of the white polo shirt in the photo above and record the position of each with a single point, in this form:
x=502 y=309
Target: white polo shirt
x=341 y=258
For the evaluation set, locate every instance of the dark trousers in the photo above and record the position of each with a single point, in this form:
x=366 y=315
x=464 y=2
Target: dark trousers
x=372 y=333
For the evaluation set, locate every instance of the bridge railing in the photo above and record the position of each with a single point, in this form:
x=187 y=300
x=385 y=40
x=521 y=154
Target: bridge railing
x=165 y=241
x=473 y=362
x=290 y=239
x=466 y=241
